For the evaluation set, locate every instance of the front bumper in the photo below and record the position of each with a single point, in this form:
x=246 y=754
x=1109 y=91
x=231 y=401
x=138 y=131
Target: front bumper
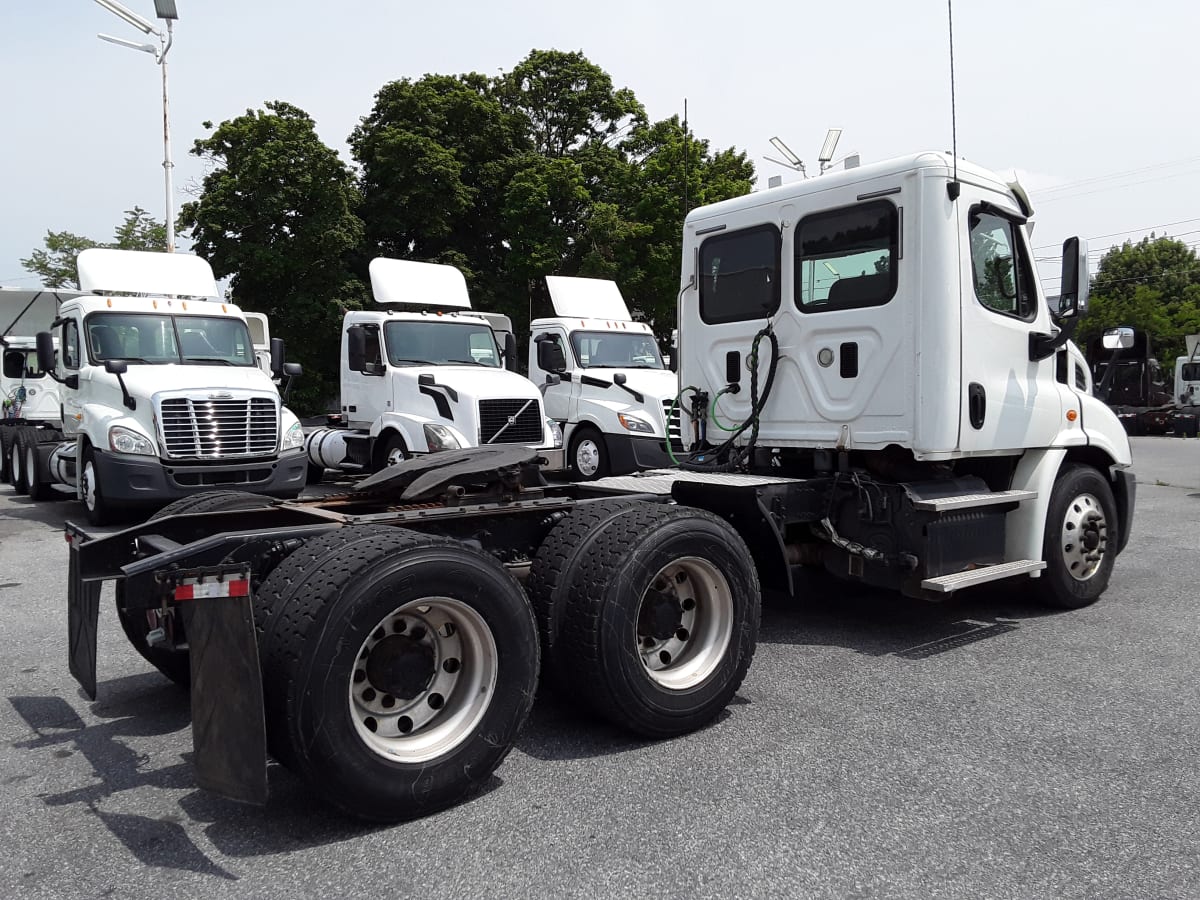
x=627 y=453
x=144 y=480
x=555 y=460
x=1125 y=492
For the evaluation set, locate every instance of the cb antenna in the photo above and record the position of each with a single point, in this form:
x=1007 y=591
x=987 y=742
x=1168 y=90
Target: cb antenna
x=953 y=188
x=686 y=154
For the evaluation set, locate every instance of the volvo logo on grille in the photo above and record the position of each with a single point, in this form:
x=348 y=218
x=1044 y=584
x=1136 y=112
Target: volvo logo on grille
x=512 y=420
x=222 y=395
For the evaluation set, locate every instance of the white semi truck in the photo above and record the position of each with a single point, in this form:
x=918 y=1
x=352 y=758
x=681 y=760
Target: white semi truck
x=29 y=401
x=905 y=415
x=160 y=392
x=426 y=374
x=603 y=380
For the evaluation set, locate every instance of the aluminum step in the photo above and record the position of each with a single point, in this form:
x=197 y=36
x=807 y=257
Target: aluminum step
x=945 y=584
x=971 y=501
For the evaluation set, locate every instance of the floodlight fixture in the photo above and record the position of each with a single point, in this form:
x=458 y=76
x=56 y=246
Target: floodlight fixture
x=786 y=152
x=129 y=16
x=133 y=45
x=165 y=9
x=831 y=139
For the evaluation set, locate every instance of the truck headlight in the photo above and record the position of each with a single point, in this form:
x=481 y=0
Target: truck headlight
x=439 y=437
x=555 y=433
x=294 y=438
x=633 y=423
x=126 y=440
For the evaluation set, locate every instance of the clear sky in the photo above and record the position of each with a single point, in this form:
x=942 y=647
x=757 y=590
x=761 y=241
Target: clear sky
x=1092 y=103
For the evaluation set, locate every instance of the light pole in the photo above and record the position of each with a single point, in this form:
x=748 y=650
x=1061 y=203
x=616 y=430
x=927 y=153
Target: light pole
x=165 y=10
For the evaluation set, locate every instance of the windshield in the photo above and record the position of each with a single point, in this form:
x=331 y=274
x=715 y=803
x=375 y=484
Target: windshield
x=615 y=350
x=158 y=340
x=440 y=343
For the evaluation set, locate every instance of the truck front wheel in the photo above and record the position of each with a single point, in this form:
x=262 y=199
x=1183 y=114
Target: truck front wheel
x=99 y=511
x=1080 y=543
x=661 y=620
x=588 y=454
x=398 y=668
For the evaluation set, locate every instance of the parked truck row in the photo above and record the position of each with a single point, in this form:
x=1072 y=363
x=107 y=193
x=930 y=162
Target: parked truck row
x=897 y=404
x=1145 y=397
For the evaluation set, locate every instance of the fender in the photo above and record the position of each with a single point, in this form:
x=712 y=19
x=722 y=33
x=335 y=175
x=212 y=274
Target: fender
x=411 y=429
x=98 y=418
x=1025 y=526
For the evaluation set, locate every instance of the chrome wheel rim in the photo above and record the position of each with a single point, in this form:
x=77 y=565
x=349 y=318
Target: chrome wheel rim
x=587 y=457
x=89 y=485
x=1084 y=537
x=395 y=455
x=685 y=623
x=30 y=465
x=423 y=679
x=14 y=461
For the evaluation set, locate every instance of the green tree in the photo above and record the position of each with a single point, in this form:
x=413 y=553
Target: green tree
x=55 y=262
x=276 y=215
x=1152 y=285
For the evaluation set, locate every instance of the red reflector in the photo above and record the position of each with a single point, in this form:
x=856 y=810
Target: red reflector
x=237 y=587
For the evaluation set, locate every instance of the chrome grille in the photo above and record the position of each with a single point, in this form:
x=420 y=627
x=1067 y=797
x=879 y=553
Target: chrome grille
x=195 y=428
x=525 y=427
x=672 y=418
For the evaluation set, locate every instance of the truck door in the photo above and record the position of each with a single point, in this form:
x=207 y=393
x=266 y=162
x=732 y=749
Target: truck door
x=562 y=399
x=71 y=359
x=1009 y=402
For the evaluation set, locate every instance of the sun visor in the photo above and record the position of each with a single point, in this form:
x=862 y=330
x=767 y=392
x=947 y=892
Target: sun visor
x=104 y=271
x=587 y=298
x=417 y=283
x=23 y=312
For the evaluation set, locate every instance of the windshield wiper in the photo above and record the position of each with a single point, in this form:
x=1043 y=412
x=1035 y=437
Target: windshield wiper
x=210 y=361
x=414 y=362
x=471 y=362
x=135 y=359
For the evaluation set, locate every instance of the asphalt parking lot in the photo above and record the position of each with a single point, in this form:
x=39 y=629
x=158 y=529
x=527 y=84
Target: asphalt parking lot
x=880 y=747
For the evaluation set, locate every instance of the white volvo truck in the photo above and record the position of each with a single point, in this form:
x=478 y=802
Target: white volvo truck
x=160 y=391
x=29 y=398
x=603 y=379
x=905 y=416
x=425 y=374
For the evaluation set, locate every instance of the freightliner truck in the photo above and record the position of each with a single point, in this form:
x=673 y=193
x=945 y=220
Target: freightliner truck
x=160 y=392
x=904 y=416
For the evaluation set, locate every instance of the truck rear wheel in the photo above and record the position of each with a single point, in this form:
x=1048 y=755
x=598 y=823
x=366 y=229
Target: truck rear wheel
x=136 y=624
x=555 y=568
x=661 y=620
x=398 y=668
x=6 y=439
x=37 y=474
x=16 y=461
x=1081 y=540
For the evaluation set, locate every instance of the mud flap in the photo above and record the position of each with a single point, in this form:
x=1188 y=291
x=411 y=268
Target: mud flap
x=229 y=733
x=83 y=612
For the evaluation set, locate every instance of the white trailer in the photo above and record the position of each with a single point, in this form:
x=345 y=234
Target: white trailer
x=603 y=380
x=425 y=374
x=906 y=415
x=160 y=390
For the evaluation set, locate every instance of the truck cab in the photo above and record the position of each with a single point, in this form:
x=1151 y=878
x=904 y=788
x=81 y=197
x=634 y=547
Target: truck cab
x=160 y=390
x=611 y=392
x=426 y=373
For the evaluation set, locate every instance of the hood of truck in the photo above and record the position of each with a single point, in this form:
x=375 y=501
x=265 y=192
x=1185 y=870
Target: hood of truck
x=470 y=382
x=146 y=381
x=656 y=384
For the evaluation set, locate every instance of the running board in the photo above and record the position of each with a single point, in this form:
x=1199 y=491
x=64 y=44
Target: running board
x=945 y=584
x=971 y=501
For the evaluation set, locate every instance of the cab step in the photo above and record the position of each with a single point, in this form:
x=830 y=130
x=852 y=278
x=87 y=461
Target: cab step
x=945 y=584
x=972 y=501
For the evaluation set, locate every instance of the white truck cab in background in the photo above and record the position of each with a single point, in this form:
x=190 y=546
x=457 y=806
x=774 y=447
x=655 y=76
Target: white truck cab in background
x=610 y=391
x=161 y=392
x=426 y=374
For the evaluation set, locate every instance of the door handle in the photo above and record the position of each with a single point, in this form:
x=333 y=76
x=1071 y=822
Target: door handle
x=976 y=404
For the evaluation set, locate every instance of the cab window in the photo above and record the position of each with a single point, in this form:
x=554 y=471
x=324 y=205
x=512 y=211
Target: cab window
x=846 y=258
x=70 y=344
x=739 y=275
x=1002 y=273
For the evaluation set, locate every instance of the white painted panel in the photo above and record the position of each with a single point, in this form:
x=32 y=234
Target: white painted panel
x=587 y=298
x=418 y=283
x=141 y=272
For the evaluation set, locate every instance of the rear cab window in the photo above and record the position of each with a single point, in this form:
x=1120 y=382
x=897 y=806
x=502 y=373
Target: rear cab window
x=739 y=275
x=847 y=258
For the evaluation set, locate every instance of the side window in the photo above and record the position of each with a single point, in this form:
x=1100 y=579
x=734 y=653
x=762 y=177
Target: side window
x=846 y=258
x=373 y=358
x=557 y=339
x=1001 y=271
x=739 y=275
x=1081 y=379
x=70 y=344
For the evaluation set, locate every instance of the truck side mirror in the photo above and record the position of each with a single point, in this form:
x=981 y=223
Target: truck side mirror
x=45 y=351
x=293 y=370
x=116 y=366
x=510 y=351
x=356 y=348
x=550 y=357
x=1073 y=299
x=277 y=357
x=1117 y=338
x=619 y=378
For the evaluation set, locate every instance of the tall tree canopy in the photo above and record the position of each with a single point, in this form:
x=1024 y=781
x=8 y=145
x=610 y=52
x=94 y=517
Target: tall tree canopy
x=55 y=262
x=1152 y=285
x=277 y=216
